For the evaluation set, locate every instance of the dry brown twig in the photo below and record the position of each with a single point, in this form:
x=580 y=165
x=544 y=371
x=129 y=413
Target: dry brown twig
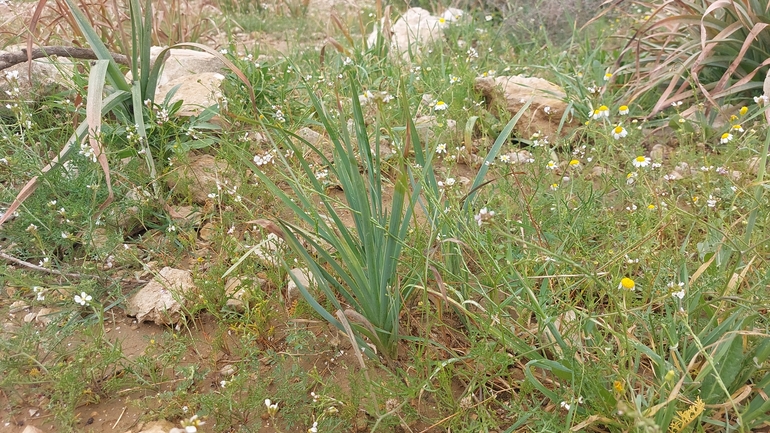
x=9 y=59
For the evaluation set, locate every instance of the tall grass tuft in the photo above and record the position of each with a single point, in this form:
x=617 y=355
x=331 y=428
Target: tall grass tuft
x=360 y=264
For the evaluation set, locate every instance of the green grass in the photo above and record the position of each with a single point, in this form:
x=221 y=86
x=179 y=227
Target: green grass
x=518 y=323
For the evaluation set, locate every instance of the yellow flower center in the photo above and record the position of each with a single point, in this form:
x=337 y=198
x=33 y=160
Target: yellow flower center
x=574 y=162
x=627 y=283
x=640 y=159
x=618 y=130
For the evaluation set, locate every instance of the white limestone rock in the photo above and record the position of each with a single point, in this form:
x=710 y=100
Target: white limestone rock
x=544 y=113
x=163 y=299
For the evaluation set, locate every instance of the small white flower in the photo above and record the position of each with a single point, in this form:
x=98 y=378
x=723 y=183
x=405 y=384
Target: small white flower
x=483 y=216
x=619 y=132
x=564 y=405
x=440 y=106
x=83 y=298
x=313 y=429
x=441 y=148
x=272 y=408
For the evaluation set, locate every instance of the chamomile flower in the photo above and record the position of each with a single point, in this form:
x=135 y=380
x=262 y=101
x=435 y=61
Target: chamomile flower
x=441 y=148
x=619 y=132
x=607 y=76
x=641 y=161
x=744 y=110
x=726 y=138
x=440 y=106
x=601 y=112
x=574 y=163
x=627 y=284
x=551 y=165
x=737 y=128
x=623 y=110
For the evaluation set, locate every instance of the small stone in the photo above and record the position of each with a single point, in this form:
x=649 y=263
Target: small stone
x=202 y=176
x=164 y=298
x=310 y=136
x=207 y=232
x=658 y=152
x=30 y=317
x=304 y=277
x=268 y=251
x=162 y=426
x=512 y=92
x=753 y=164
x=598 y=171
x=362 y=423
x=520 y=156
x=31 y=429
x=236 y=295
x=228 y=370
x=18 y=306
x=46 y=315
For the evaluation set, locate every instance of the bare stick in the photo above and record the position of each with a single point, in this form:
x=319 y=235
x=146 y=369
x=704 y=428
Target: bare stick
x=29 y=265
x=9 y=59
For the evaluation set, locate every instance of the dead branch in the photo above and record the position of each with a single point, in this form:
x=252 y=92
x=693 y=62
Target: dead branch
x=9 y=59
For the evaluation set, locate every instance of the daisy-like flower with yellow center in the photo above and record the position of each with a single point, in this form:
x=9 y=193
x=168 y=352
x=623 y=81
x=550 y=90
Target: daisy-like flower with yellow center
x=744 y=110
x=737 y=128
x=603 y=111
x=641 y=161
x=551 y=165
x=623 y=110
x=627 y=284
x=607 y=76
x=440 y=106
x=574 y=163
x=726 y=138
x=619 y=132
